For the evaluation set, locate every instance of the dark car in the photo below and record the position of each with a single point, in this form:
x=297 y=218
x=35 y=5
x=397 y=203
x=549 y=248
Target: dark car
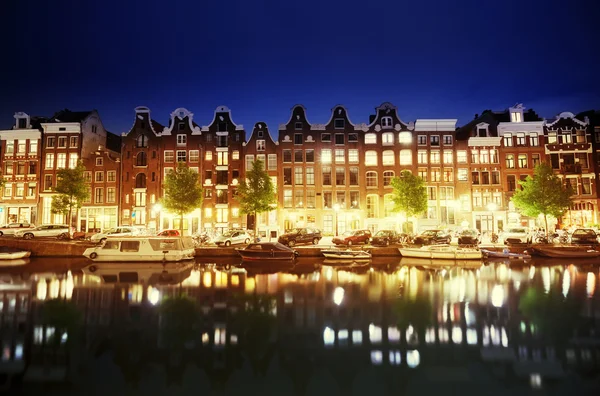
x=469 y=237
x=584 y=236
x=385 y=237
x=301 y=235
x=432 y=237
x=353 y=237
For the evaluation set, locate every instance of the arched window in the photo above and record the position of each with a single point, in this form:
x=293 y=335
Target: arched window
x=386 y=122
x=140 y=180
x=372 y=206
x=388 y=205
x=141 y=141
x=388 y=157
x=404 y=138
x=371 y=158
x=405 y=157
x=387 y=177
x=371 y=179
x=141 y=159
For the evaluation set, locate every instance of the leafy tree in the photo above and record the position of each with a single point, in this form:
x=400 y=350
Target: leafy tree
x=183 y=192
x=544 y=193
x=71 y=190
x=409 y=195
x=256 y=194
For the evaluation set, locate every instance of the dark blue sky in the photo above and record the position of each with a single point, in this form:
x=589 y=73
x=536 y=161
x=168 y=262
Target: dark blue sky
x=433 y=59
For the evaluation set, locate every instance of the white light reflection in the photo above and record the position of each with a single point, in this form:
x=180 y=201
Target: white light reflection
x=566 y=284
x=546 y=279
x=153 y=295
x=531 y=272
x=504 y=338
x=393 y=334
x=376 y=357
x=338 y=295
x=469 y=315
x=472 y=336
x=498 y=296
x=375 y=334
x=517 y=285
x=457 y=335
x=357 y=337
x=395 y=358
x=328 y=273
x=535 y=381
x=590 y=284
x=430 y=335
x=328 y=336
x=413 y=359
x=343 y=337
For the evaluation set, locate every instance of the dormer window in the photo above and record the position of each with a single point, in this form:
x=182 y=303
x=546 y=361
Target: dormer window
x=516 y=116
x=339 y=123
x=181 y=126
x=260 y=145
x=482 y=130
x=22 y=123
x=181 y=140
x=386 y=122
x=260 y=134
x=298 y=125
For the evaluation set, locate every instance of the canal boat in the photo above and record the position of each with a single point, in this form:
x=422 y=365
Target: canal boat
x=504 y=254
x=143 y=248
x=266 y=251
x=442 y=252
x=144 y=273
x=13 y=254
x=346 y=254
x=564 y=252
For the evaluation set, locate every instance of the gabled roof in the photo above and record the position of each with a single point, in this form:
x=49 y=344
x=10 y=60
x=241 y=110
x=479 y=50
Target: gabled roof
x=113 y=142
x=67 y=115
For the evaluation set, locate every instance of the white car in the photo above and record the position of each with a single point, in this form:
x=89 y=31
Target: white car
x=234 y=237
x=10 y=229
x=61 y=231
x=515 y=235
x=114 y=232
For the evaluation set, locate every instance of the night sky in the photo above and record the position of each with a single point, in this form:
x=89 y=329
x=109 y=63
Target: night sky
x=432 y=59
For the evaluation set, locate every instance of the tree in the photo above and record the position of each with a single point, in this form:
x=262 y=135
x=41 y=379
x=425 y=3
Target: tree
x=72 y=190
x=544 y=193
x=256 y=194
x=409 y=195
x=183 y=192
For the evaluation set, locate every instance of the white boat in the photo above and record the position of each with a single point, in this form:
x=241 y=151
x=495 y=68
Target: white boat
x=143 y=248
x=443 y=252
x=346 y=254
x=14 y=255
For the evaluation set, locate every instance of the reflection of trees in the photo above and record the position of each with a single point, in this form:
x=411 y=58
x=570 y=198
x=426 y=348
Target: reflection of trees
x=132 y=354
x=179 y=321
x=64 y=317
x=416 y=311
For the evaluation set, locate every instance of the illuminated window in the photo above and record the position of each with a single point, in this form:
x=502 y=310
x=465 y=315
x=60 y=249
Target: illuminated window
x=326 y=156
x=387 y=139
x=370 y=138
x=371 y=158
x=387 y=157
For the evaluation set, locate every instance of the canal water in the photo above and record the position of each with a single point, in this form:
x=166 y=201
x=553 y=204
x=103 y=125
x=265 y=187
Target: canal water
x=384 y=327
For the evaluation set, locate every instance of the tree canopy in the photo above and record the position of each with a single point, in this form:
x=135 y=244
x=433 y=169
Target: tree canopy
x=183 y=192
x=256 y=194
x=71 y=191
x=409 y=195
x=544 y=194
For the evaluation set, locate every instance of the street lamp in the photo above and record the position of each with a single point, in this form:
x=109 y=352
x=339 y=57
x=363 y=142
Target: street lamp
x=336 y=208
x=492 y=207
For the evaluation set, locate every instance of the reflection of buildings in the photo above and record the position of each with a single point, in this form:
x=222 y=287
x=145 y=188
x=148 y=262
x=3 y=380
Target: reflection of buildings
x=350 y=328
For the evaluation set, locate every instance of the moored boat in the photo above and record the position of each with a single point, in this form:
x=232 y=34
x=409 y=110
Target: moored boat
x=347 y=254
x=143 y=248
x=6 y=254
x=262 y=251
x=564 y=252
x=442 y=252
x=504 y=254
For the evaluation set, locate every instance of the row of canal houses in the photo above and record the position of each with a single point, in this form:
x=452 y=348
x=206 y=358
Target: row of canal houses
x=336 y=172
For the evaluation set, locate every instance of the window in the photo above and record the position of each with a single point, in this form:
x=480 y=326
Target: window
x=99 y=195
x=111 y=176
x=62 y=142
x=32 y=167
x=387 y=177
x=340 y=156
x=310 y=155
x=586 y=185
x=339 y=138
x=298 y=125
x=372 y=206
x=534 y=140
x=8 y=190
x=110 y=194
x=552 y=139
x=260 y=145
x=20 y=168
x=461 y=157
x=326 y=156
x=310 y=176
x=448 y=175
x=535 y=160
x=20 y=191
x=340 y=176
x=49 y=161
x=435 y=175
x=327 y=200
x=194 y=155
x=272 y=162
x=447 y=140
x=326 y=175
x=522 y=161
x=512 y=182
x=371 y=158
x=404 y=138
x=494 y=156
x=432 y=193
x=99 y=176
x=475 y=156
x=141 y=159
x=287 y=199
x=520 y=139
x=422 y=140
x=181 y=139
x=310 y=199
x=387 y=139
x=462 y=174
x=386 y=122
x=448 y=156
x=287 y=155
x=73 y=158
x=299 y=198
x=515 y=116
x=405 y=157
x=182 y=155
x=31 y=190
x=387 y=157
x=326 y=137
x=140 y=199
x=249 y=161
x=170 y=156
x=21 y=148
x=510 y=161
x=298 y=176
x=297 y=138
x=508 y=140
x=353 y=176
x=235 y=155
x=485 y=177
x=422 y=172
x=370 y=138
x=567 y=138
x=583 y=160
x=339 y=123
x=298 y=156
x=353 y=137
x=495 y=177
x=353 y=156
x=33 y=147
x=61 y=161
x=371 y=179
x=421 y=157
x=435 y=140
x=354 y=199
x=8 y=168
x=50 y=141
x=435 y=157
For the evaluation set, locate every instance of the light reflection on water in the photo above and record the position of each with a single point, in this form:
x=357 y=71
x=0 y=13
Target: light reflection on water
x=539 y=320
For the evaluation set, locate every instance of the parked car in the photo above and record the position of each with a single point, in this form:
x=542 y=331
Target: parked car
x=233 y=237
x=10 y=229
x=169 y=233
x=432 y=237
x=515 y=235
x=353 y=237
x=469 y=237
x=60 y=231
x=584 y=236
x=385 y=237
x=300 y=235
x=114 y=232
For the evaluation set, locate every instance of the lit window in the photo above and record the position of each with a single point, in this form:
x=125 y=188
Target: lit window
x=405 y=157
x=326 y=156
x=371 y=158
x=370 y=138
x=404 y=138
x=387 y=157
x=387 y=139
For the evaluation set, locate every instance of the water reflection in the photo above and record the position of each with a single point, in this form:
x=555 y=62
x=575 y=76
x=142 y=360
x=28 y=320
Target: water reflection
x=390 y=326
